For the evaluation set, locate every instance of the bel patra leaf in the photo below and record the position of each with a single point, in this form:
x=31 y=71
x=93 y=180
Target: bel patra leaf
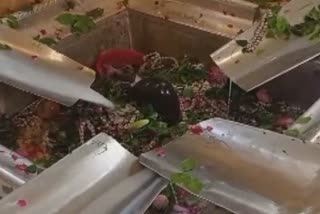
x=194 y=185
x=32 y=169
x=188 y=165
x=303 y=120
x=188 y=181
x=292 y=132
x=66 y=19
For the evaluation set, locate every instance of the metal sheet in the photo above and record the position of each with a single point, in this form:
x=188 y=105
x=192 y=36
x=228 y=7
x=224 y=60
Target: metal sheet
x=247 y=170
x=11 y=175
x=132 y=196
x=97 y=168
x=273 y=57
x=36 y=68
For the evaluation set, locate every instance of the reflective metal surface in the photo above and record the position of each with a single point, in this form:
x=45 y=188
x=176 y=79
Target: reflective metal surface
x=36 y=68
x=247 y=170
x=132 y=196
x=273 y=57
x=12 y=174
x=100 y=169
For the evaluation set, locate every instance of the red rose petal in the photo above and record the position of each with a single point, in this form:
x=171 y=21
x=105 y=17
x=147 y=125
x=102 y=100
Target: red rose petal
x=160 y=152
x=117 y=58
x=43 y=32
x=21 y=167
x=22 y=203
x=34 y=57
x=196 y=129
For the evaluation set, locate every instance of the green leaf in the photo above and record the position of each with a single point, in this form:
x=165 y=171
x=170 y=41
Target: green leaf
x=46 y=40
x=12 y=21
x=292 y=132
x=194 y=185
x=180 y=178
x=4 y=47
x=66 y=19
x=95 y=13
x=282 y=24
x=140 y=124
x=83 y=24
x=303 y=120
x=187 y=181
x=32 y=169
x=242 y=43
x=188 y=165
x=187 y=92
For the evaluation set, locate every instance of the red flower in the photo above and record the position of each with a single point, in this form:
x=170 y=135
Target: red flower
x=196 y=129
x=160 y=152
x=216 y=76
x=112 y=60
x=284 y=121
x=22 y=167
x=263 y=96
x=22 y=203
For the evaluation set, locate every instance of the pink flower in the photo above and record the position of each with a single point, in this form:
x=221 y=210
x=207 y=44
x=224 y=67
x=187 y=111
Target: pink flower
x=22 y=203
x=196 y=129
x=21 y=167
x=160 y=152
x=216 y=76
x=284 y=121
x=263 y=96
x=161 y=202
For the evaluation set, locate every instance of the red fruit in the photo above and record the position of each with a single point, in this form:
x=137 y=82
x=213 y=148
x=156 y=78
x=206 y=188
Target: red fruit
x=263 y=96
x=216 y=76
x=284 y=121
x=117 y=59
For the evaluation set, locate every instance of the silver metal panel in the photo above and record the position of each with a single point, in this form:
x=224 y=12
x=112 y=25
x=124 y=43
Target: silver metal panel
x=36 y=68
x=247 y=170
x=99 y=168
x=273 y=57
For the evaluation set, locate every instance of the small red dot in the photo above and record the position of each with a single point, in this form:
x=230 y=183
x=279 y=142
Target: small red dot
x=34 y=57
x=43 y=32
x=22 y=203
